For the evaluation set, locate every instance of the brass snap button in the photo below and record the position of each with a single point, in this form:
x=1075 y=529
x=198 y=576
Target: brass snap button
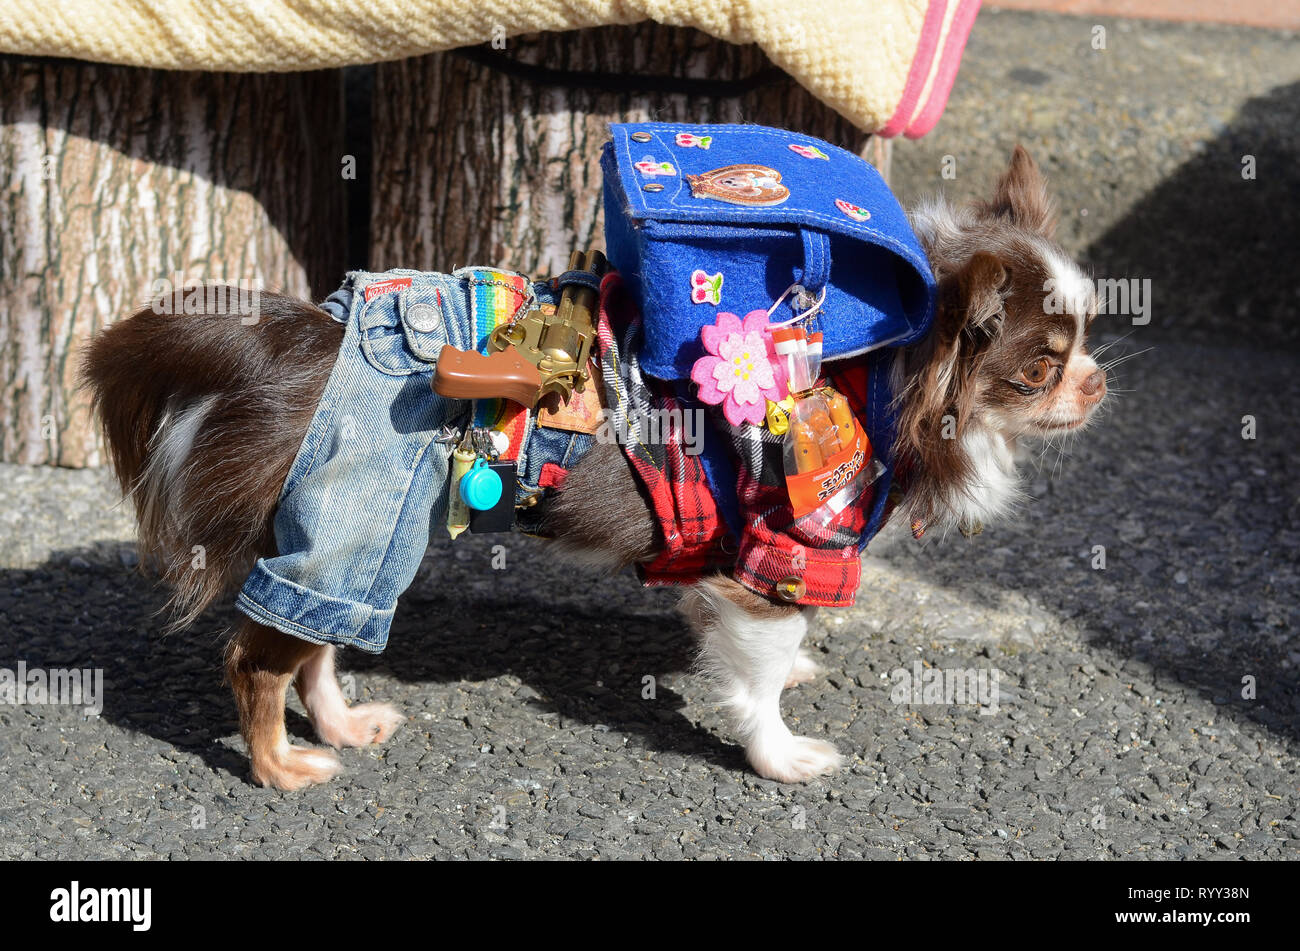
x=640 y=136
x=791 y=588
x=652 y=187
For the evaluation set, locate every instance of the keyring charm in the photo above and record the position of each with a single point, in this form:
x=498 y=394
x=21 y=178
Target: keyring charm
x=801 y=295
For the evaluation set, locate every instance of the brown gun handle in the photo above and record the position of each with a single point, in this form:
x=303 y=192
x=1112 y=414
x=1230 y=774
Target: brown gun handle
x=469 y=375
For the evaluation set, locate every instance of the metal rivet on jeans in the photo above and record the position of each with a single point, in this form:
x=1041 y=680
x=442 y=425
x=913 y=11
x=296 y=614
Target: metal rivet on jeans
x=423 y=317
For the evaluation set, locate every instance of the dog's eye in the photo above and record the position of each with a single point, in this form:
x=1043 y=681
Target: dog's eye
x=1036 y=373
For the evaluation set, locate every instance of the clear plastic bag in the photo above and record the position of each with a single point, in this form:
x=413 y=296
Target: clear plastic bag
x=828 y=458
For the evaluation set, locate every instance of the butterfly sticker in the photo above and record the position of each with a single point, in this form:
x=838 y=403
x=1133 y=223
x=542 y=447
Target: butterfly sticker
x=648 y=166
x=706 y=288
x=809 y=151
x=688 y=140
x=853 y=211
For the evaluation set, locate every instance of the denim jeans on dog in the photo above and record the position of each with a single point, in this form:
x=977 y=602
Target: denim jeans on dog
x=371 y=476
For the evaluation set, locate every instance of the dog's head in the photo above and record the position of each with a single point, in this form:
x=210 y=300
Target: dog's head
x=1008 y=356
x=1009 y=345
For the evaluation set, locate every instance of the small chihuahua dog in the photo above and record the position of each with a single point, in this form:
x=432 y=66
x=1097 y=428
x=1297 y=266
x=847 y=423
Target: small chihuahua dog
x=999 y=363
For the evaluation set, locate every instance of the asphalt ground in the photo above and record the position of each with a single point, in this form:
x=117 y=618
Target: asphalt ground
x=1147 y=709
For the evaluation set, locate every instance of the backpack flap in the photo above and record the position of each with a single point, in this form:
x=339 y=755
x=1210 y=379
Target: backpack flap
x=707 y=218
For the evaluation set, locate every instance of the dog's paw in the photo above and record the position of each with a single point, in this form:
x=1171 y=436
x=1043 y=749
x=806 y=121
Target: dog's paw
x=805 y=670
x=793 y=759
x=293 y=767
x=360 y=725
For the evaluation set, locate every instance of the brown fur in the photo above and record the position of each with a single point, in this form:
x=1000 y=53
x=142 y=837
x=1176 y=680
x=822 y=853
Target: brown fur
x=264 y=382
x=941 y=375
x=1021 y=197
x=603 y=510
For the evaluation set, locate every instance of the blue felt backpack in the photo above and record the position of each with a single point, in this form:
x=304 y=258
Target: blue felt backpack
x=707 y=218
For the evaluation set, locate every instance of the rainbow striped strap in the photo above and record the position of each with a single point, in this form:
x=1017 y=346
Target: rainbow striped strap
x=497 y=298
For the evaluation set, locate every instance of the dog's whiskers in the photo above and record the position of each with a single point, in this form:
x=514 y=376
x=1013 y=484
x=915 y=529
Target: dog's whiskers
x=1106 y=346
x=1108 y=366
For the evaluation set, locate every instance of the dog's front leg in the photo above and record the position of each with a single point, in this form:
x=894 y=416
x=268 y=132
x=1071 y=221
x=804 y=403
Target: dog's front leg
x=748 y=649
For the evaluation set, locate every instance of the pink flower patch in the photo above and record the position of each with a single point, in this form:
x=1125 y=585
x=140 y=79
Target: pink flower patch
x=739 y=370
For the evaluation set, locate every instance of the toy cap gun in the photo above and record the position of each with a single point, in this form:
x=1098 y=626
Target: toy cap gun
x=537 y=354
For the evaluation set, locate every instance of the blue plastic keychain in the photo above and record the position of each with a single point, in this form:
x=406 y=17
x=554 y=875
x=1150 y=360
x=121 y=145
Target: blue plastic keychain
x=480 y=488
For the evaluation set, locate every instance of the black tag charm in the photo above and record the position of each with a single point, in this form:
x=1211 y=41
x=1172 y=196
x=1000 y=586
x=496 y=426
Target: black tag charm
x=501 y=517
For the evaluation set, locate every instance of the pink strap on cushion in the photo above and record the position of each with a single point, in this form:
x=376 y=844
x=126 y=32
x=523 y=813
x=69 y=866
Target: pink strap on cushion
x=920 y=70
x=953 y=48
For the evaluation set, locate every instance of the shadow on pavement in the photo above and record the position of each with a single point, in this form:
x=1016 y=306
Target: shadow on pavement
x=1222 y=250
x=580 y=656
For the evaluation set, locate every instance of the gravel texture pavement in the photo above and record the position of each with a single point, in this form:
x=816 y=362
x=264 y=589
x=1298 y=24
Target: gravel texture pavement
x=1124 y=727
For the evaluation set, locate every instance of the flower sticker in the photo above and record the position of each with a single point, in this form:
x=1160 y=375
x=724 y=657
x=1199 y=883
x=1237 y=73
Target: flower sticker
x=648 y=166
x=809 y=151
x=853 y=211
x=688 y=140
x=706 y=288
x=738 y=370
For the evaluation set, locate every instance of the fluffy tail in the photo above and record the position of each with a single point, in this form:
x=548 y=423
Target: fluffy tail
x=203 y=414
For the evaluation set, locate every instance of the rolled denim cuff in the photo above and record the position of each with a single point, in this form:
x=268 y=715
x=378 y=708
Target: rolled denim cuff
x=279 y=603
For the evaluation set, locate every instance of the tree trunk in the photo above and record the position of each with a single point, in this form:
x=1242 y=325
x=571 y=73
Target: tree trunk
x=478 y=163
x=113 y=178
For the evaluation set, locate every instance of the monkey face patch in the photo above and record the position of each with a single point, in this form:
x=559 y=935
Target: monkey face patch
x=740 y=185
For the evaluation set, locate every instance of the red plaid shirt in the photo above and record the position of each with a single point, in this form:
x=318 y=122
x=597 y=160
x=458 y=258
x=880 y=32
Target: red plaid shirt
x=777 y=555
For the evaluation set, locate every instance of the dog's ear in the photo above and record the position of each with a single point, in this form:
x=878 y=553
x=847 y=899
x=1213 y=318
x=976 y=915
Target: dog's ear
x=942 y=370
x=1021 y=196
x=970 y=299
